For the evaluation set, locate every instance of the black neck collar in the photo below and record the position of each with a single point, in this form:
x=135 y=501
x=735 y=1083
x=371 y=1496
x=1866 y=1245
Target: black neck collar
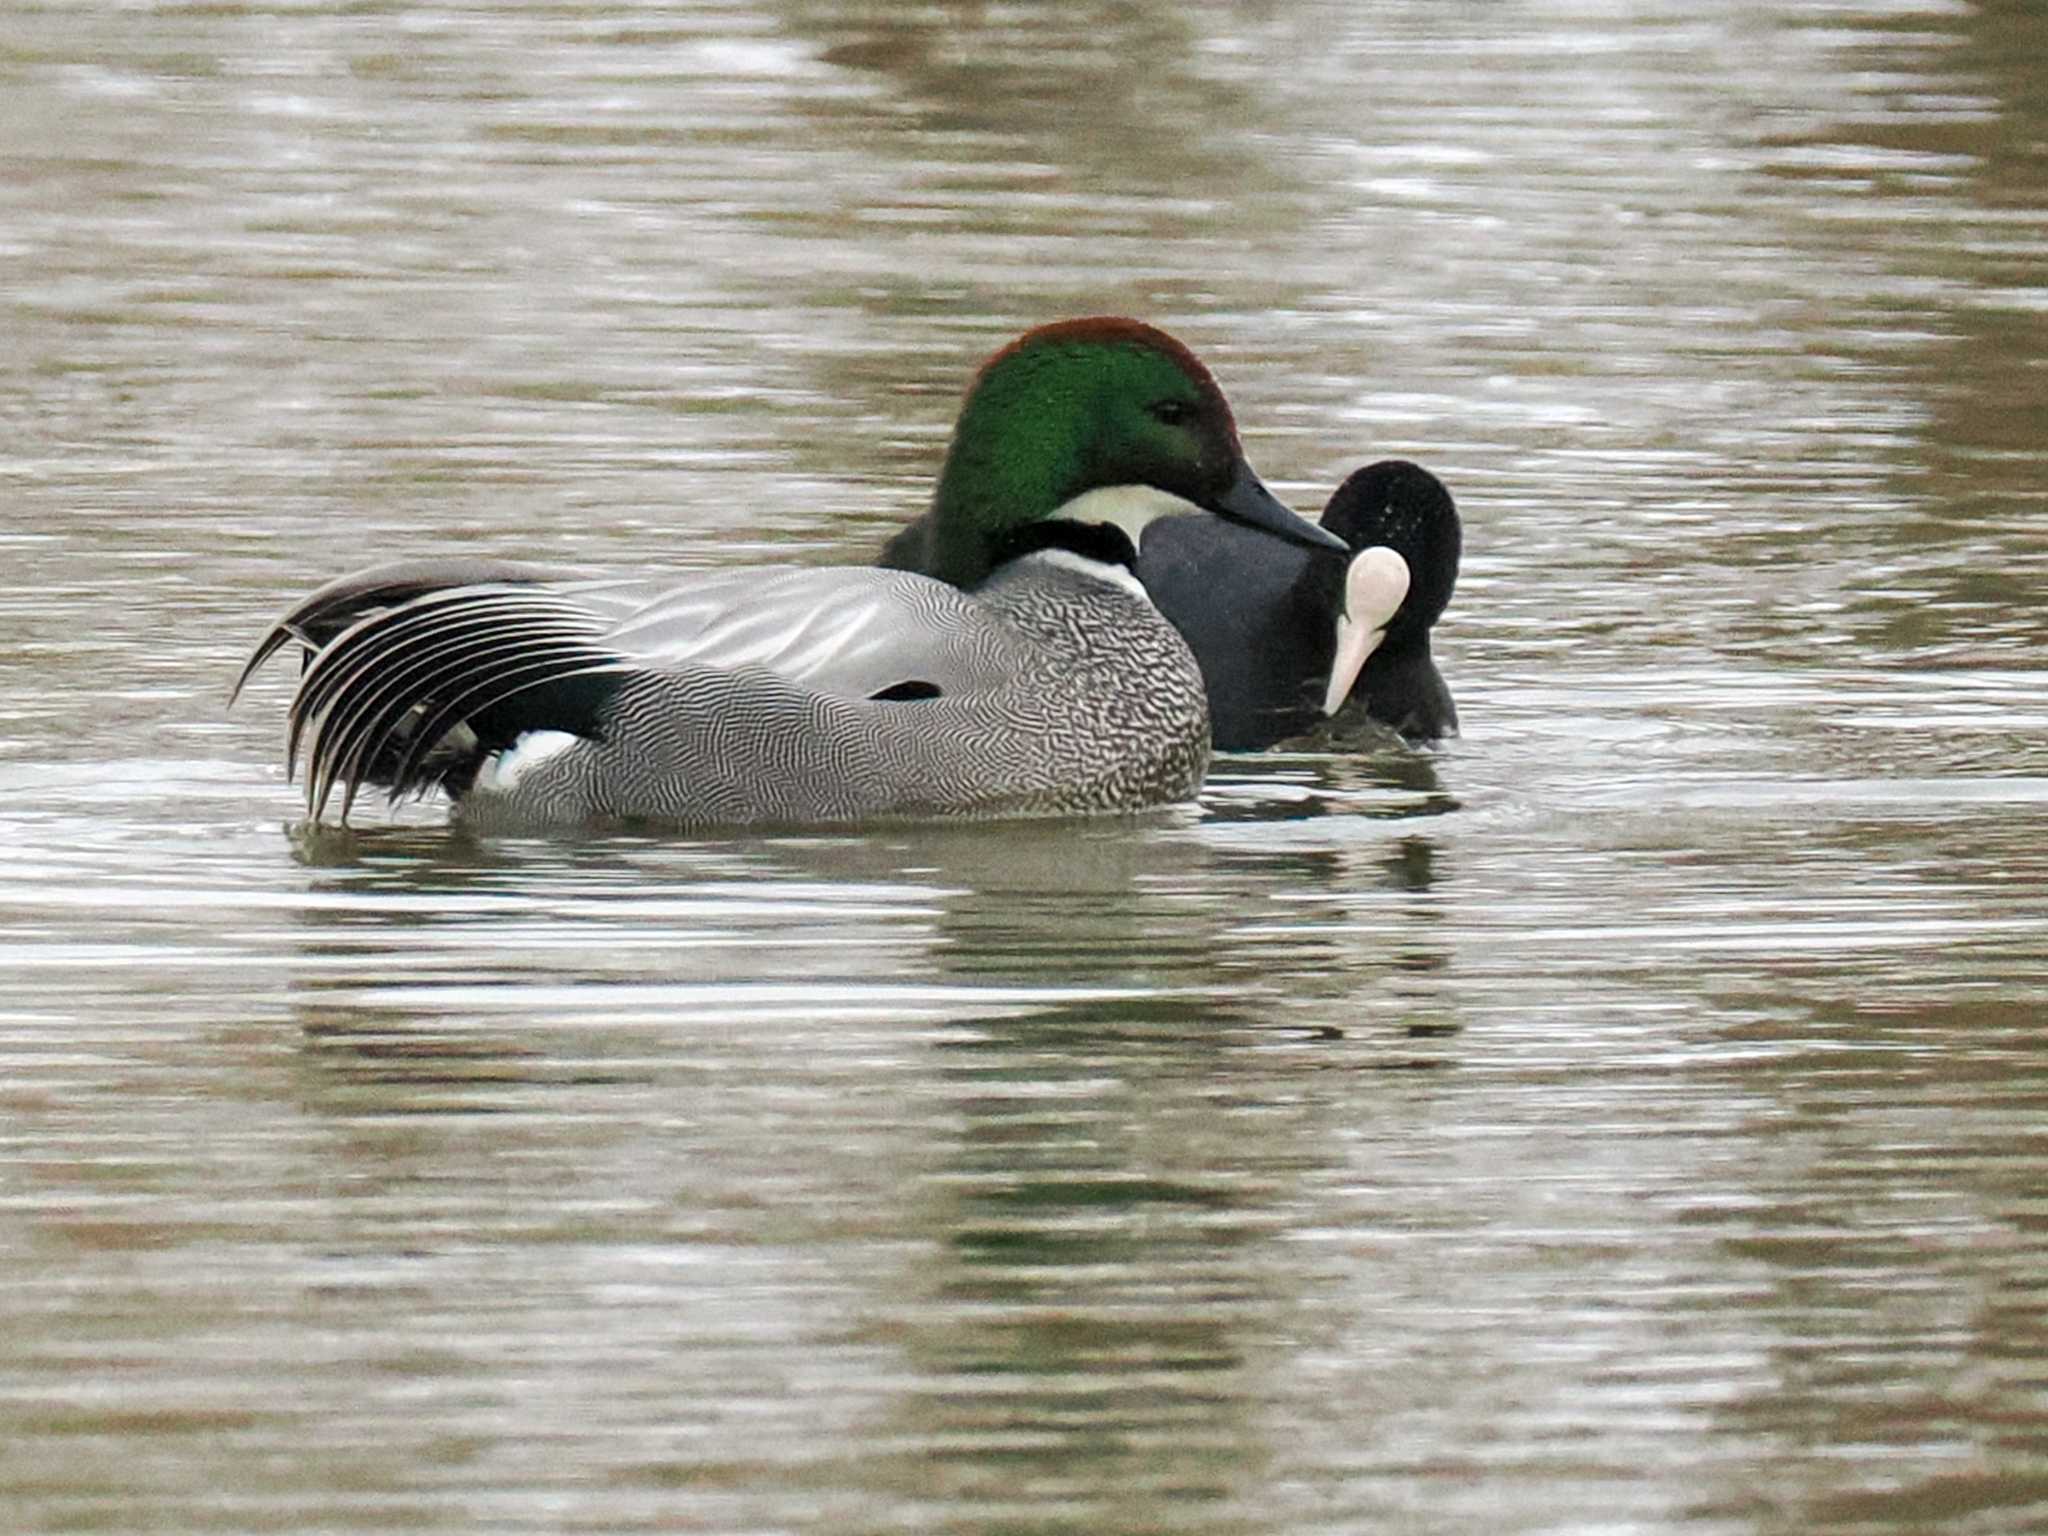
x=1101 y=542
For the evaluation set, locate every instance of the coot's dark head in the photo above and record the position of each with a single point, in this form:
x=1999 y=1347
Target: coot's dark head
x=1403 y=529
x=1403 y=507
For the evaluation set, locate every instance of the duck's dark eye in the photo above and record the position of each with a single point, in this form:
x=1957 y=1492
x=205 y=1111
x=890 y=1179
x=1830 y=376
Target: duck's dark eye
x=1172 y=413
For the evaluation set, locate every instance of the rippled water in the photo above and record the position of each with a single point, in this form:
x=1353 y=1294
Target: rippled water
x=1628 y=1118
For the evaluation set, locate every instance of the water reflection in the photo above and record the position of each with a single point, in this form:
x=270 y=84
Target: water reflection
x=1108 y=103
x=1103 y=1295
x=425 y=931
x=1624 y=1116
x=1957 y=216
x=1051 y=1188
x=1895 y=1161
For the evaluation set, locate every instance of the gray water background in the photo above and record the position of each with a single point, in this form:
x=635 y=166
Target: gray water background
x=1633 y=1117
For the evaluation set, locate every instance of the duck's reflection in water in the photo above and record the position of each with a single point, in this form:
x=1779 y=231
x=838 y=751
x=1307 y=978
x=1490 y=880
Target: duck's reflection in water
x=1026 y=1109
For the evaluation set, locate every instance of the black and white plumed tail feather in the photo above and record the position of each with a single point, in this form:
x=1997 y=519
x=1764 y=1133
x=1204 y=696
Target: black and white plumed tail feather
x=417 y=672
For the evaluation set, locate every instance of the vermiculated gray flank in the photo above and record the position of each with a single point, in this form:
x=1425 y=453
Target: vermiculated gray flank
x=747 y=696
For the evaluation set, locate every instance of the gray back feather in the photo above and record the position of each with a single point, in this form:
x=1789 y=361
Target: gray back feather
x=744 y=697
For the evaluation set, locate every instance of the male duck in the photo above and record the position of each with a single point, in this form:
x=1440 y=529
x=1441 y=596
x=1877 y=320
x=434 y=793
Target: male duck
x=1287 y=635
x=1026 y=674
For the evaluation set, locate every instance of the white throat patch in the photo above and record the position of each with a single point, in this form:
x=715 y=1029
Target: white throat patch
x=1129 y=507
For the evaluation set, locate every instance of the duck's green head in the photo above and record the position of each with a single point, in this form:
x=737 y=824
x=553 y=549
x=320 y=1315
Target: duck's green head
x=1080 y=433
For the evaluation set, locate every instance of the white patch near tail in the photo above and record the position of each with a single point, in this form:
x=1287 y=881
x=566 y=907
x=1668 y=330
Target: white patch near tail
x=501 y=771
x=1375 y=586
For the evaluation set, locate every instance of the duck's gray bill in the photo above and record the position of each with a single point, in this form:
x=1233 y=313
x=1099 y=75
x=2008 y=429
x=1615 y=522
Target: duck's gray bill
x=1249 y=502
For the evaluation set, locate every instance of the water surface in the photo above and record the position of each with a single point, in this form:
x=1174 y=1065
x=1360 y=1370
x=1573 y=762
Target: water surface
x=1626 y=1118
